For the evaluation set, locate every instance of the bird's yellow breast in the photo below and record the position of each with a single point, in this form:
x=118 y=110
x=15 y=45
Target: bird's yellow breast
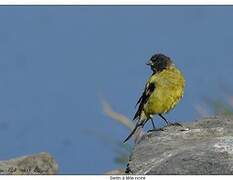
x=169 y=88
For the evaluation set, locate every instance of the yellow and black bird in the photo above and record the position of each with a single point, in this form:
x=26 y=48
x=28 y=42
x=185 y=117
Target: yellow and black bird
x=162 y=92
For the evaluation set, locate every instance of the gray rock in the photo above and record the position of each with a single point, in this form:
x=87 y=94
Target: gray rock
x=42 y=163
x=206 y=148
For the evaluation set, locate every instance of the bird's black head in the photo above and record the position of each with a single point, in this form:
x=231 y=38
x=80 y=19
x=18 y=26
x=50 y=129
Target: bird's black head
x=159 y=62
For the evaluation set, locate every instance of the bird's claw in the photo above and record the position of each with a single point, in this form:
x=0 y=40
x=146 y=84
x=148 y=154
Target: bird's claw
x=175 y=124
x=155 y=129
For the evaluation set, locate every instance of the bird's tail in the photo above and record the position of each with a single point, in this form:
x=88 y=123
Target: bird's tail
x=133 y=131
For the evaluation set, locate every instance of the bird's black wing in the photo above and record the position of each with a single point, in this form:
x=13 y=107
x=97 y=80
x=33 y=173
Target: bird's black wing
x=150 y=87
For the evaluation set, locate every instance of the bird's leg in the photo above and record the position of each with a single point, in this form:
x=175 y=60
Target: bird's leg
x=152 y=122
x=168 y=123
x=154 y=129
x=164 y=119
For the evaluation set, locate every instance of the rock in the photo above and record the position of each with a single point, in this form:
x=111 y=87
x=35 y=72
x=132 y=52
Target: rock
x=42 y=163
x=206 y=148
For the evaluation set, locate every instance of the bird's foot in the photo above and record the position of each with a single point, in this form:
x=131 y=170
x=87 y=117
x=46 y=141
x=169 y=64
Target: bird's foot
x=175 y=124
x=178 y=124
x=155 y=129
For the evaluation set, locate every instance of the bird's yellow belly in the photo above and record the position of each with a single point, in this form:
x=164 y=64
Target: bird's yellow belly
x=164 y=98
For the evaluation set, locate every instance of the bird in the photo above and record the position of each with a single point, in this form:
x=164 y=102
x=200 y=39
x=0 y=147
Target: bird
x=162 y=92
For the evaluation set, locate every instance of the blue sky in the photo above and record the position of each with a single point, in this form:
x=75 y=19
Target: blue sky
x=56 y=61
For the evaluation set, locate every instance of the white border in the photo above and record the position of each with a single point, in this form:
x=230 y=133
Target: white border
x=114 y=177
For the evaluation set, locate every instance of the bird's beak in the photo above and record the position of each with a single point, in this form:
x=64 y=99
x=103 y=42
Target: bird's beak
x=149 y=63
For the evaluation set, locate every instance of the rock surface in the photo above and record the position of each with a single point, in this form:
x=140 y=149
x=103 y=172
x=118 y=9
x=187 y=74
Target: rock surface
x=206 y=148
x=42 y=163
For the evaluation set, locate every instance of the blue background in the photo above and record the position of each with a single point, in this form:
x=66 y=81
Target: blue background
x=57 y=61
